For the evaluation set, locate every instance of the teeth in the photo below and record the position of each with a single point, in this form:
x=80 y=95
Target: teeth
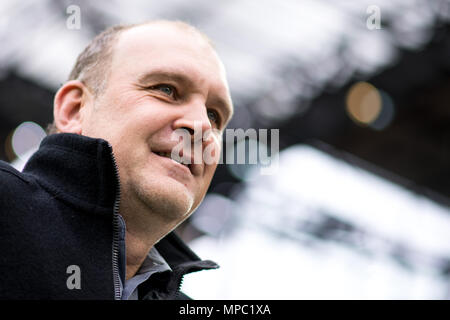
x=164 y=154
x=168 y=155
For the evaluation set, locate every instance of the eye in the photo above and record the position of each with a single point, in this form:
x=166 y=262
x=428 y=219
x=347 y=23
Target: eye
x=214 y=117
x=167 y=89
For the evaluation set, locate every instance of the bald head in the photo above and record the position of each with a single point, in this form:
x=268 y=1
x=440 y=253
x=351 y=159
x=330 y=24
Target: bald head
x=93 y=65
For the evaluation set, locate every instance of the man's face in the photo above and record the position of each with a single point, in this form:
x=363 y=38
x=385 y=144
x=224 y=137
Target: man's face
x=162 y=79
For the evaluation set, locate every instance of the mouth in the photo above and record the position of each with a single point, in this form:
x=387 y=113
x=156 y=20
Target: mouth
x=168 y=155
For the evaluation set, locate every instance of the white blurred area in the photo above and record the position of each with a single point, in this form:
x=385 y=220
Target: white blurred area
x=321 y=229
x=25 y=140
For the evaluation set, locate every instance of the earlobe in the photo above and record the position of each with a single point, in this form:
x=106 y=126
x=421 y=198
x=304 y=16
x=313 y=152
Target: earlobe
x=67 y=107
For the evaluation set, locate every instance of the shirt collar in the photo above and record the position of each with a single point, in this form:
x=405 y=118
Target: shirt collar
x=154 y=261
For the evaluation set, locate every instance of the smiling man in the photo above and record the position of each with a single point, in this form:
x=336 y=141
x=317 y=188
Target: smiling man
x=92 y=214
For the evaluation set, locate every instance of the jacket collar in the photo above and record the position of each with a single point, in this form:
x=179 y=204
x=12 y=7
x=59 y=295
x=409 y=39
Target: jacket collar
x=77 y=170
x=80 y=171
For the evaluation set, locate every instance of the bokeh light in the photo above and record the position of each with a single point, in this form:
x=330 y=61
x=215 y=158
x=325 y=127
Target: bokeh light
x=387 y=113
x=27 y=137
x=363 y=103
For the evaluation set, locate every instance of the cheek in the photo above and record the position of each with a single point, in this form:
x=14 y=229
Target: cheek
x=212 y=151
x=98 y=125
x=208 y=175
x=143 y=116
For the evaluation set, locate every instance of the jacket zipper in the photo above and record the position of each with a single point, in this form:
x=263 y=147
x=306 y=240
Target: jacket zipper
x=179 y=280
x=116 y=231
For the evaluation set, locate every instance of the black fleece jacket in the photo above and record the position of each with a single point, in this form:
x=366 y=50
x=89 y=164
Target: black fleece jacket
x=62 y=210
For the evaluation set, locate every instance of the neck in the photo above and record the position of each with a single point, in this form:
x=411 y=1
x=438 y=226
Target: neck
x=144 y=229
x=136 y=251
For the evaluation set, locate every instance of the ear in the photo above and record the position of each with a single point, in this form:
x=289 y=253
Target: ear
x=69 y=105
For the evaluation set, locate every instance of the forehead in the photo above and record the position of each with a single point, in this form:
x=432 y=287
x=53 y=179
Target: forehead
x=155 y=46
x=147 y=49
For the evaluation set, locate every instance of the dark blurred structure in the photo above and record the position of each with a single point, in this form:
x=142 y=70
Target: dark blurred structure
x=414 y=149
x=21 y=100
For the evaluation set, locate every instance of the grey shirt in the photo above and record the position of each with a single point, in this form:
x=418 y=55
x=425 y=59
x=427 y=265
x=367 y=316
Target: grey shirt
x=153 y=263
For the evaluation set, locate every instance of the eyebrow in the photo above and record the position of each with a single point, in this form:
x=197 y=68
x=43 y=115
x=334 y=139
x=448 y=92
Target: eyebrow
x=175 y=76
x=163 y=75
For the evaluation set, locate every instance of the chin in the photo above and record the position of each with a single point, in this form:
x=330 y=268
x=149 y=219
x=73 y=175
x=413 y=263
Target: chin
x=172 y=200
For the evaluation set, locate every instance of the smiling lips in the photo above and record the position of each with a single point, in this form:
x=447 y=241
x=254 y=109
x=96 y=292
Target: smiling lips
x=193 y=168
x=168 y=155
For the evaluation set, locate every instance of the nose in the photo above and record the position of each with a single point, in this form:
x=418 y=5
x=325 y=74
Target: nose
x=195 y=120
x=204 y=144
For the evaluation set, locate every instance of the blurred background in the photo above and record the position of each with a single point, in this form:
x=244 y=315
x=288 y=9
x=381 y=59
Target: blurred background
x=359 y=90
